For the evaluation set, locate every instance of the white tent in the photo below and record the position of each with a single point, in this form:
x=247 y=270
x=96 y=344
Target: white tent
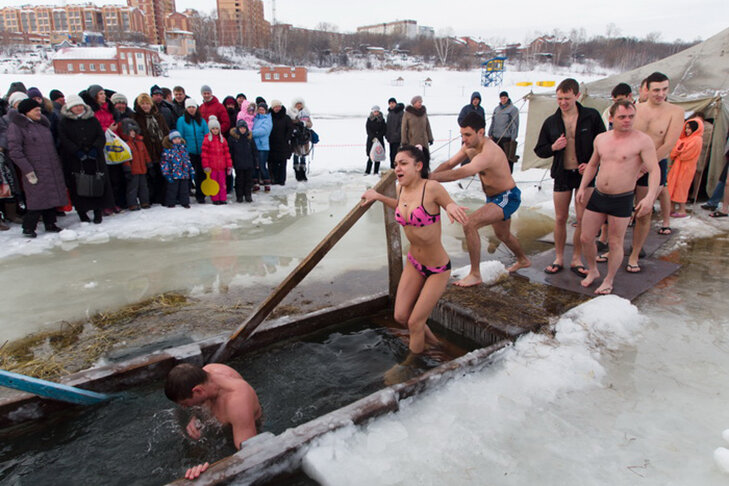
x=699 y=79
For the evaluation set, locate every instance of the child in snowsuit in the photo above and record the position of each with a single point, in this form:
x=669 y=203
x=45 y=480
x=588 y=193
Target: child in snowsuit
x=245 y=159
x=135 y=170
x=177 y=170
x=684 y=155
x=216 y=159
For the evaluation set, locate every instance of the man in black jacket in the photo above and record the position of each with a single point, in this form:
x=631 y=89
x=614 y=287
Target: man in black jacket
x=279 y=142
x=164 y=107
x=395 y=111
x=568 y=137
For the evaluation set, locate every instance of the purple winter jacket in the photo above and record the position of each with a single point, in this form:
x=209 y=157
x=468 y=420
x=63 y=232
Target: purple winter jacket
x=31 y=148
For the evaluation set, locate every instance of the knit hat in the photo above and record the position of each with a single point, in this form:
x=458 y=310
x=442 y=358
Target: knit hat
x=26 y=105
x=73 y=100
x=391 y=100
x=229 y=100
x=129 y=124
x=241 y=123
x=213 y=122
x=503 y=93
x=259 y=100
x=205 y=88
x=275 y=103
x=190 y=102
x=375 y=108
x=173 y=135
x=93 y=90
x=55 y=94
x=119 y=98
x=239 y=95
x=155 y=90
x=16 y=97
x=263 y=105
x=34 y=93
x=415 y=99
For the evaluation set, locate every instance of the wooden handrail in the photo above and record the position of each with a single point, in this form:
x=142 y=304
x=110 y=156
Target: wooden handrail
x=229 y=347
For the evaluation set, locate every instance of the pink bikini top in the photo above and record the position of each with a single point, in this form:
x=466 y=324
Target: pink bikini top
x=419 y=217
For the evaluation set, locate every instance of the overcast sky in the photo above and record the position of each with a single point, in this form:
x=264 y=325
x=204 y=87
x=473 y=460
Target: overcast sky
x=513 y=22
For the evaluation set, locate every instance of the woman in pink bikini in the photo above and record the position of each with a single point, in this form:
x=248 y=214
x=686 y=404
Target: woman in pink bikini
x=426 y=274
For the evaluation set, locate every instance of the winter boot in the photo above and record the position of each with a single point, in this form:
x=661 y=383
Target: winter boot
x=4 y=227
x=11 y=213
x=98 y=215
x=368 y=170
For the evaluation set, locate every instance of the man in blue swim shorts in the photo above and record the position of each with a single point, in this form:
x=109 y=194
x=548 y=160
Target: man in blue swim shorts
x=502 y=195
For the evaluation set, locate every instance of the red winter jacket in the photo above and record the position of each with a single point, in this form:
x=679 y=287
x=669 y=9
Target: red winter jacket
x=140 y=156
x=215 y=153
x=215 y=107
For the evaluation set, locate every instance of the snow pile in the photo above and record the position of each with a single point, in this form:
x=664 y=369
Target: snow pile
x=491 y=271
x=468 y=419
x=721 y=454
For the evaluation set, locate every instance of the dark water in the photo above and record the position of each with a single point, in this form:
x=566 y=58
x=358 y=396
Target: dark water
x=139 y=437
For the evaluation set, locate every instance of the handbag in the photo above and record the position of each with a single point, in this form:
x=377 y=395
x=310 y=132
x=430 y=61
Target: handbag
x=89 y=185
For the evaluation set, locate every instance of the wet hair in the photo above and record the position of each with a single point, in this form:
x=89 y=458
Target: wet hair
x=474 y=121
x=417 y=154
x=568 y=85
x=692 y=125
x=656 y=77
x=624 y=103
x=699 y=114
x=182 y=379
x=621 y=89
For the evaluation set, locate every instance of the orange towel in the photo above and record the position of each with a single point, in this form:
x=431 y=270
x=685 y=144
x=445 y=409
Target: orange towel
x=684 y=155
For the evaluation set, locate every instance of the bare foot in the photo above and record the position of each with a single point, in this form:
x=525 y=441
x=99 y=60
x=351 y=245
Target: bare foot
x=519 y=264
x=587 y=281
x=469 y=281
x=605 y=288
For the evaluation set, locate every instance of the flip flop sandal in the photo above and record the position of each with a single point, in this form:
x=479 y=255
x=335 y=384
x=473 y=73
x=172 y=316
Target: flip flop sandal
x=605 y=291
x=556 y=269
x=601 y=259
x=576 y=270
x=665 y=230
x=633 y=268
x=718 y=214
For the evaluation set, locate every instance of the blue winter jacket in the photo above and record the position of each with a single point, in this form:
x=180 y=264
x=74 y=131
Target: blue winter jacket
x=262 y=126
x=193 y=133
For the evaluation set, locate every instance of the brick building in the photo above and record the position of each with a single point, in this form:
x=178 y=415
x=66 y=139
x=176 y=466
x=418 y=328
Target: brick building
x=155 y=14
x=241 y=23
x=283 y=74
x=126 y=60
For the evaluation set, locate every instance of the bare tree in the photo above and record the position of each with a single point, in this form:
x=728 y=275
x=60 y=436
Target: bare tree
x=443 y=45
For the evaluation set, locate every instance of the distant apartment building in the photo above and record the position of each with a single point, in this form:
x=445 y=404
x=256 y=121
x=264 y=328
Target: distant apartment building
x=241 y=23
x=155 y=13
x=179 y=39
x=404 y=28
x=115 y=22
x=127 y=60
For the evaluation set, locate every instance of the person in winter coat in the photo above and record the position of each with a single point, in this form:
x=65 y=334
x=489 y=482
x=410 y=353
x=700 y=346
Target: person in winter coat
x=154 y=130
x=212 y=107
x=247 y=113
x=46 y=109
x=393 y=134
x=177 y=169
x=505 y=127
x=376 y=130
x=216 y=159
x=231 y=106
x=262 y=126
x=279 y=140
x=301 y=118
x=245 y=160
x=416 y=126
x=82 y=151
x=58 y=99
x=193 y=128
x=10 y=172
x=121 y=108
x=684 y=156
x=31 y=148
x=473 y=107
x=135 y=170
x=163 y=106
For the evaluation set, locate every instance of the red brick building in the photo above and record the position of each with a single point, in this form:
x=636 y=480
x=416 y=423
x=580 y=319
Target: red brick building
x=283 y=74
x=127 y=60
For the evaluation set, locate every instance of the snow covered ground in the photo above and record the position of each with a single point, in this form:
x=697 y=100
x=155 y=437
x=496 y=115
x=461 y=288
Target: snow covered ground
x=620 y=395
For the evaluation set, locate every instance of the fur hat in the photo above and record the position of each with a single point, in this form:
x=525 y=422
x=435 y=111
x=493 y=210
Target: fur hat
x=16 y=97
x=26 y=105
x=73 y=100
x=173 y=135
x=34 y=93
x=94 y=90
x=119 y=98
x=205 y=89
x=275 y=103
x=213 y=122
x=190 y=102
x=415 y=99
x=55 y=94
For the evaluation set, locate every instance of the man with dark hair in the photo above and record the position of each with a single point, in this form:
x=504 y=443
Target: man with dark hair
x=224 y=393
x=568 y=137
x=621 y=91
x=662 y=122
x=619 y=155
x=393 y=125
x=505 y=127
x=164 y=107
x=643 y=91
x=178 y=101
x=502 y=195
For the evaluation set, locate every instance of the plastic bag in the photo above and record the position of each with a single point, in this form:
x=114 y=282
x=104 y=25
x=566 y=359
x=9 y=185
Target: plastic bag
x=116 y=151
x=377 y=152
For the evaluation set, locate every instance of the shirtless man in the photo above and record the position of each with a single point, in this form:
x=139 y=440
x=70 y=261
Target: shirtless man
x=568 y=137
x=502 y=195
x=662 y=122
x=222 y=391
x=620 y=154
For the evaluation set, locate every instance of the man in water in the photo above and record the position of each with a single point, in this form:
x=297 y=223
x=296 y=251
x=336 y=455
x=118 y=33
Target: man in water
x=502 y=195
x=662 y=122
x=224 y=393
x=619 y=154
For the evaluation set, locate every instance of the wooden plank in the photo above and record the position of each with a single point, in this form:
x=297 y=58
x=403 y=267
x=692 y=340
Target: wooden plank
x=228 y=348
x=49 y=389
x=394 y=243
